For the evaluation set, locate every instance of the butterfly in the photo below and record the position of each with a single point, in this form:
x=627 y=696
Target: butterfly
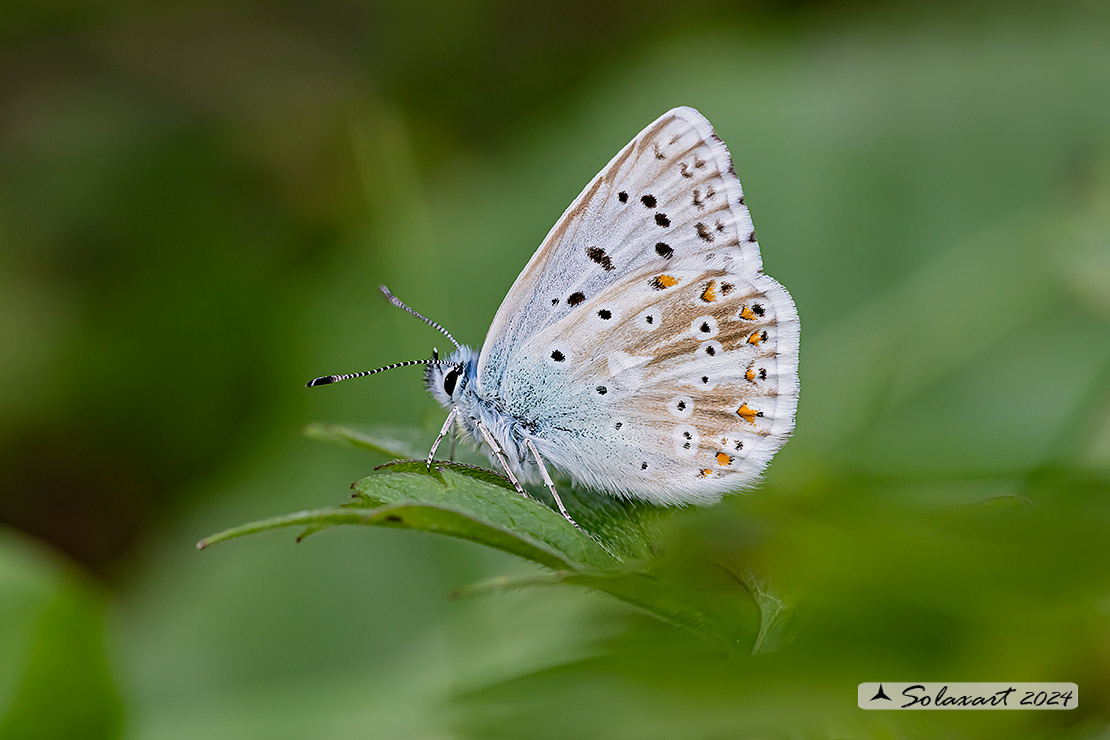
x=642 y=351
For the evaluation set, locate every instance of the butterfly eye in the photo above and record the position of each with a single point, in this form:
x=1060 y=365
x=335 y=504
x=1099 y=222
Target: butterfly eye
x=450 y=380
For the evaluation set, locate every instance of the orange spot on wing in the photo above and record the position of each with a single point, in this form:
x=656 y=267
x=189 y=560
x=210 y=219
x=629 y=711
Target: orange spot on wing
x=748 y=414
x=746 y=313
x=750 y=375
x=757 y=337
x=710 y=293
x=664 y=281
x=723 y=458
x=705 y=472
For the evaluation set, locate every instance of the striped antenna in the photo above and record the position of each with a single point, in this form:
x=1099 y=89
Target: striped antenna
x=326 y=379
x=399 y=304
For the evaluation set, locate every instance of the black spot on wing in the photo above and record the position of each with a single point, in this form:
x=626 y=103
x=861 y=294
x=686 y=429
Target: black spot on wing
x=597 y=254
x=700 y=198
x=664 y=250
x=575 y=298
x=662 y=220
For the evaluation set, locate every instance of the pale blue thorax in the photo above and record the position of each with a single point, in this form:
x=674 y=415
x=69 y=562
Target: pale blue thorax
x=512 y=414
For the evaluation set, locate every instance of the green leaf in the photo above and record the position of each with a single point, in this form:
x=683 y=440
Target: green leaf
x=717 y=603
x=470 y=471
x=56 y=678
x=446 y=502
x=616 y=550
x=776 y=611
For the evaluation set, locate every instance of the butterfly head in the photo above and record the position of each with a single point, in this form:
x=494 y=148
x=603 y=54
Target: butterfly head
x=449 y=379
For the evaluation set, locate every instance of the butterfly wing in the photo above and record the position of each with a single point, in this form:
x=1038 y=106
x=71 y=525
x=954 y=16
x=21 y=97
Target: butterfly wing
x=673 y=385
x=642 y=349
x=669 y=194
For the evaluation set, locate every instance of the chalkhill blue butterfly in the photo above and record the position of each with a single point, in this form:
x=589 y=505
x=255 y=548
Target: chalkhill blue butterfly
x=642 y=351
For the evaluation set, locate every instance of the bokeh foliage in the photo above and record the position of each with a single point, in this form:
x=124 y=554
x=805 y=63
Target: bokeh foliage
x=197 y=202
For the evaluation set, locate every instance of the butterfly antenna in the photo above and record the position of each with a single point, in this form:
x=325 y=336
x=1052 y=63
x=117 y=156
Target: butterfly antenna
x=400 y=304
x=326 y=379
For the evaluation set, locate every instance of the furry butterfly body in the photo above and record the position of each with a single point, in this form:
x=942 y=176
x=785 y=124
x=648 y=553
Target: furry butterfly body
x=642 y=351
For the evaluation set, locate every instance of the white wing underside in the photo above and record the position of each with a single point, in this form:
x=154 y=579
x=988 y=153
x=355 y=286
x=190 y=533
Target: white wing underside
x=680 y=156
x=642 y=349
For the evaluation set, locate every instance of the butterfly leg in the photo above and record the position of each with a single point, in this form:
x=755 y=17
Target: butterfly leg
x=500 y=457
x=443 y=433
x=550 y=485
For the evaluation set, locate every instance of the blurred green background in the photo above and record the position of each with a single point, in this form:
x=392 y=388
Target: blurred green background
x=198 y=200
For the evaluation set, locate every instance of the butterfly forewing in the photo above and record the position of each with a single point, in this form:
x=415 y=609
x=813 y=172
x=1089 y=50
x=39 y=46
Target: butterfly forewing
x=671 y=194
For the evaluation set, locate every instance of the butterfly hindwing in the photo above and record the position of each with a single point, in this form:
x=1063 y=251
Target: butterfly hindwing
x=669 y=195
x=670 y=385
